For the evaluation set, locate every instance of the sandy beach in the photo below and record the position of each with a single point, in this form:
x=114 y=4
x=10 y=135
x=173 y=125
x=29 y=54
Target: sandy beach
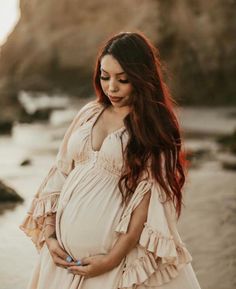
x=207 y=224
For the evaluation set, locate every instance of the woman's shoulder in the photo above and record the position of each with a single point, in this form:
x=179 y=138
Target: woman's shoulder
x=87 y=111
x=91 y=106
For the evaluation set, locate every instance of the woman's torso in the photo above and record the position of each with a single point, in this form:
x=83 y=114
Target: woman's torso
x=90 y=203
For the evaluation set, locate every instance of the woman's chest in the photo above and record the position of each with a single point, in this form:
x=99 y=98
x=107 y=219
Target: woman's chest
x=111 y=145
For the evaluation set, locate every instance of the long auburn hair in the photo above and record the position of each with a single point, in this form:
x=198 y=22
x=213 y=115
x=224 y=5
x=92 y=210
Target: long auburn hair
x=154 y=132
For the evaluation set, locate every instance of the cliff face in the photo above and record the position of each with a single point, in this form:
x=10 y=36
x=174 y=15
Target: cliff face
x=198 y=43
x=54 y=45
x=56 y=41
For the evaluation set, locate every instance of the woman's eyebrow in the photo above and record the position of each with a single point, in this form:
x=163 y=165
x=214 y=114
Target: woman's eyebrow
x=119 y=73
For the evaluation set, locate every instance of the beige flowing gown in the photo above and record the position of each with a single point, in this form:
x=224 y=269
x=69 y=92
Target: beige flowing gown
x=81 y=192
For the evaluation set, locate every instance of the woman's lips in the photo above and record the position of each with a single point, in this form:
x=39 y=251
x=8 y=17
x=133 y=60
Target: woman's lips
x=114 y=98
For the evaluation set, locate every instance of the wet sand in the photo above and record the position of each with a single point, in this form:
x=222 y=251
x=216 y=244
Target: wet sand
x=207 y=224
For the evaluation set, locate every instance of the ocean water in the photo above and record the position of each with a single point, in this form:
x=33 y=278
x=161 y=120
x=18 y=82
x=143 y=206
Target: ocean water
x=16 y=251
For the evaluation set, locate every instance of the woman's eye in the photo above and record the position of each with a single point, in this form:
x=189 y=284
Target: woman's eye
x=124 y=80
x=104 y=78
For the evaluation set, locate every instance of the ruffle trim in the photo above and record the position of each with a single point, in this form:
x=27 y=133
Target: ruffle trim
x=33 y=225
x=163 y=256
x=44 y=206
x=138 y=272
x=151 y=271
x=122 y=227
x=64 y=166
x=159 y=245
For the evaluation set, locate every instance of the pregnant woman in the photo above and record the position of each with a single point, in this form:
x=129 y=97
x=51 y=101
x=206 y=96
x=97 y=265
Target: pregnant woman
x=105 y=215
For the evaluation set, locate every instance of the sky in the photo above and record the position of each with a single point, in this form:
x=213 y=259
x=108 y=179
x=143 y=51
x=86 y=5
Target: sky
x=9 y=15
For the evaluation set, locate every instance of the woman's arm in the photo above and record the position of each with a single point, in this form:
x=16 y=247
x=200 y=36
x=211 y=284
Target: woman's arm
x=128 y=241
x=49 y=229
x=96 y=265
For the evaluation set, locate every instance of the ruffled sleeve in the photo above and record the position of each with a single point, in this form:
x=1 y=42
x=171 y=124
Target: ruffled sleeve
x=160 y=253
x=45 y=201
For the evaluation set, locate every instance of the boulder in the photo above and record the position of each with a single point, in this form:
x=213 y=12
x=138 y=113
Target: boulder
x=26 y=162
x=5 y=127
x=8 y=195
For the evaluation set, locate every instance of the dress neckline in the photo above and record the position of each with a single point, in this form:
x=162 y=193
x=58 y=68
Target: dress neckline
x=100 y=112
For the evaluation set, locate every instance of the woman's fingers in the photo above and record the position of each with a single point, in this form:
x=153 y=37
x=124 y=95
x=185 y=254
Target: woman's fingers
x=61 y=253
x=79 y=270
x=62 y=262
x=59 y=256
x=59 y=262
x=85 y=261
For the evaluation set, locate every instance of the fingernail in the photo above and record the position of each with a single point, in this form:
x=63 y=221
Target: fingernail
x=69 y=259
x=78 y=263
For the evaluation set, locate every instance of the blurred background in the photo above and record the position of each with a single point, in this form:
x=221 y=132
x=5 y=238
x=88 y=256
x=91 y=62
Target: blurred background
x=47 y=54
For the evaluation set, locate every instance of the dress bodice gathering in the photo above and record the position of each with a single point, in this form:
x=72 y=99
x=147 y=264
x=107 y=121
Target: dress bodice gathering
x=110 y=155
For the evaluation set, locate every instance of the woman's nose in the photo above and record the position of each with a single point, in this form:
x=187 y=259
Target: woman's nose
x=113 y=87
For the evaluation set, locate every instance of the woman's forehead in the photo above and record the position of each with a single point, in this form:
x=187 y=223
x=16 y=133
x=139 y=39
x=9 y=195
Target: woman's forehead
x=110 y=65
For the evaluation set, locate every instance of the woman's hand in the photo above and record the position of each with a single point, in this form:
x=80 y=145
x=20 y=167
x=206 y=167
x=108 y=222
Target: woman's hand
x=91 y=266
x=59 y=256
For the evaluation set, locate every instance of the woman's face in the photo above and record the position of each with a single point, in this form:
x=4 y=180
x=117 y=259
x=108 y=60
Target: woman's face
x=114 y=82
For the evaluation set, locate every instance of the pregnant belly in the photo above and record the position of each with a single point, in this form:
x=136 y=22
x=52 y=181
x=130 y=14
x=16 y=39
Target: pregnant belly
x=87 y=230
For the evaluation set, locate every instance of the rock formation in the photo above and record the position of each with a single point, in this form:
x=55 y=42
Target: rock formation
x=54 y=45
x=9 y=195
x=197 y=40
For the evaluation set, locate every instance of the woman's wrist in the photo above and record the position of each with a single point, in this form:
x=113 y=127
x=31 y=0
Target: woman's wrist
x=50 y=219
x=51 y=236
x=49 y=232
x=49 y=227
x=110 y=262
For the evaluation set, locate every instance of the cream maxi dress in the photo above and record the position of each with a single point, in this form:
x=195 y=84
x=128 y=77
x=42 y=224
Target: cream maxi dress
x=81 y=191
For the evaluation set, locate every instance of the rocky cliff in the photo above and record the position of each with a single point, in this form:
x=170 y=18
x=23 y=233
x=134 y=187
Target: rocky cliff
x=197 y=40
x=54 y=45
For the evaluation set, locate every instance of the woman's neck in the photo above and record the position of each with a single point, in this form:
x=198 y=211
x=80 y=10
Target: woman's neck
x=122 y=111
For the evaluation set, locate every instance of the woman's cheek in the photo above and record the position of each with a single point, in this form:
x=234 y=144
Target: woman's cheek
x=103 y=87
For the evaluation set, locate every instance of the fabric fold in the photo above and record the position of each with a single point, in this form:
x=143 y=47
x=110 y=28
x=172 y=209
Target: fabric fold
x=142 y=188
x=160 y=255
x=138 y=272
x=150 y=271
x=41 y=207
x=158 y=244
x=44 y=203
x=34 y=223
